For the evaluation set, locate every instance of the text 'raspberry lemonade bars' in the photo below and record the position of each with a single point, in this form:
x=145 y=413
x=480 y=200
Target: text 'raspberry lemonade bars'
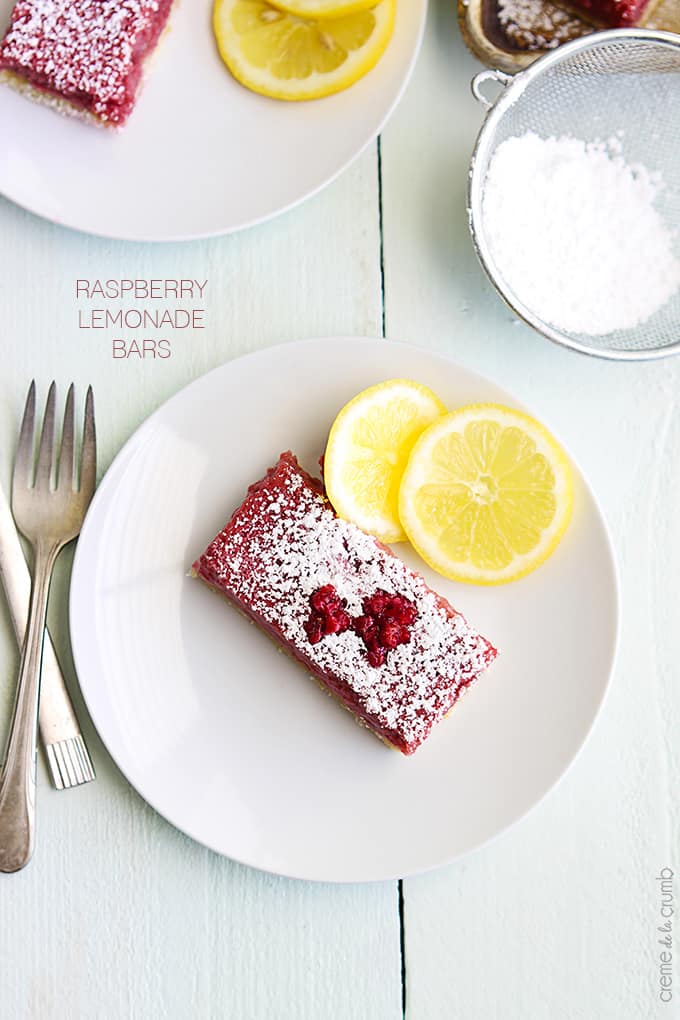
x=85 y=58
x=367 y=627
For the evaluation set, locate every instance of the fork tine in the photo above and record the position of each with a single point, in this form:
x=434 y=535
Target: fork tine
x=66 y=459
x=88 y=458
x=23 y=464
x=43 y=472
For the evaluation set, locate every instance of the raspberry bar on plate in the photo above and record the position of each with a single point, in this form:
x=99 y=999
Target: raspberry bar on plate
x=85 y=58
x=366 y=626
x=611 y=13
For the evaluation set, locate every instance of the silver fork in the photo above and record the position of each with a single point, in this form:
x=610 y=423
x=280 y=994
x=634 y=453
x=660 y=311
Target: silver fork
x=49 y=510
x=66 y=752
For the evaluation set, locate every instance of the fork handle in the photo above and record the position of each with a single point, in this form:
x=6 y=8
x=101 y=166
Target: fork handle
x=18 y=774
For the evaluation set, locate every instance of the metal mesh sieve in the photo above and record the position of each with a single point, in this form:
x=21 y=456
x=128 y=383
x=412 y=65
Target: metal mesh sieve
x=624 y=82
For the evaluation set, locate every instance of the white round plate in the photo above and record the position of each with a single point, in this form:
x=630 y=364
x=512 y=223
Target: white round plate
x=229 y=739
x=200 y=155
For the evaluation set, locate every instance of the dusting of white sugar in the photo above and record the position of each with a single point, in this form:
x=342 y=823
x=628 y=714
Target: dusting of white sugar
x=574 y=231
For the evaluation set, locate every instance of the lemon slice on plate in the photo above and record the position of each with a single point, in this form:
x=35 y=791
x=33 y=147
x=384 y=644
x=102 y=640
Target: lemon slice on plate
x=486 y=495
x=322 y=8
x=282 y=55
x=368 y=448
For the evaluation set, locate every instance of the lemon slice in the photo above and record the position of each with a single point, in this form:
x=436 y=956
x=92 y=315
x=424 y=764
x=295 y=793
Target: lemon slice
x=322 y=8
x=368 y=448
x=486 y=495
x=282 y=55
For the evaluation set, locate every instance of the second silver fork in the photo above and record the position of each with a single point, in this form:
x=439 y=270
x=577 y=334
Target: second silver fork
x=49 y=516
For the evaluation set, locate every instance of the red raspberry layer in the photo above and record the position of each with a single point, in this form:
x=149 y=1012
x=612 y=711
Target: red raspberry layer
x=613 y=13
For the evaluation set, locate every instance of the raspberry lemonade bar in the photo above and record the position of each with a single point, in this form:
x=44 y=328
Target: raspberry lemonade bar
x=366 y=626
x=612 y=13
x=85 y=58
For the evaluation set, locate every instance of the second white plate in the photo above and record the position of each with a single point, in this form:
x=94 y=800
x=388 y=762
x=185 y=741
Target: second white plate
x=230 y=740
x=201 y=155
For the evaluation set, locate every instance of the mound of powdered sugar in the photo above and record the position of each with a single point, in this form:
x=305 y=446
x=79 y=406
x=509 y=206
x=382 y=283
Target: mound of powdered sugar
x=574 y=230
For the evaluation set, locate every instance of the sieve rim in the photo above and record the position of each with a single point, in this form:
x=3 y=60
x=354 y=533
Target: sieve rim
x=513 y=87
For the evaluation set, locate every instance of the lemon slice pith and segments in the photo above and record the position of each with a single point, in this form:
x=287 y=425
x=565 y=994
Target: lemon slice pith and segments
x=486 y=495
x=288 y=57
x=322 y=8
x=368 y=448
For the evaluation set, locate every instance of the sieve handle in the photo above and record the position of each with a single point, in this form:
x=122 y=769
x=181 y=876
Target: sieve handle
x=500 y=77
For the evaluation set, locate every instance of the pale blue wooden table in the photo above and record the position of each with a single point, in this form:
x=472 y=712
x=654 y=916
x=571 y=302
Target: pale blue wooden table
x=119 y=916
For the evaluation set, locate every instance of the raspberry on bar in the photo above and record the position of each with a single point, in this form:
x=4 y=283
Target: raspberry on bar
x=611 y=13
x=367 y=627
x=85 y=58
